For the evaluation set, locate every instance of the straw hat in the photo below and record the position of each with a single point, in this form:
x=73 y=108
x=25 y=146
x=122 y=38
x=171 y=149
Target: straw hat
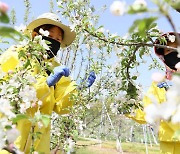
x=53 y=19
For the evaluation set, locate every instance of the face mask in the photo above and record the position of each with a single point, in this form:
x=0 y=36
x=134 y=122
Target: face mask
x=171 y=59
x=54 y=46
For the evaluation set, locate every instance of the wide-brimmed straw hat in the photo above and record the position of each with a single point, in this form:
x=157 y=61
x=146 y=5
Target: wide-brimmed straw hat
x=53 y=19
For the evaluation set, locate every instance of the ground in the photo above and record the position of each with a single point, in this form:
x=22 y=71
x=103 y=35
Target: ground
x=109 y=147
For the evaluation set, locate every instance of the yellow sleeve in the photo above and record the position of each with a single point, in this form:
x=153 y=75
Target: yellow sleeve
x=153 y=91
x=4 y=152
x=9 y=60
x=138 y=116
x=64 y=91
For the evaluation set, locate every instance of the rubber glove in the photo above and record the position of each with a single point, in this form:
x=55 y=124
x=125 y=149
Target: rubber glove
x=163 y=85
x=57 y=74
x=91 y=79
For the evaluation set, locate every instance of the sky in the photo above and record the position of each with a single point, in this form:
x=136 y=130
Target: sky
x=116 y=24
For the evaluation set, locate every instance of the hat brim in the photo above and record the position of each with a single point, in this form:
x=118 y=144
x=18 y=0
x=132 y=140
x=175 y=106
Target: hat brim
x=68 y=37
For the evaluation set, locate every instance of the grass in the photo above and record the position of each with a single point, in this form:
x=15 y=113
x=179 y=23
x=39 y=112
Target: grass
x=109 y=147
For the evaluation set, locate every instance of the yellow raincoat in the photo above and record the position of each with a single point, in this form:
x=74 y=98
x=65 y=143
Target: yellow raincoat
x=53 y=99
x=168 y=145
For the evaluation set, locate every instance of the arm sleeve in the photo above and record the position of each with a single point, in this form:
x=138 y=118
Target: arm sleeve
x=64 y=91
x=9 y=60
x=154 y=91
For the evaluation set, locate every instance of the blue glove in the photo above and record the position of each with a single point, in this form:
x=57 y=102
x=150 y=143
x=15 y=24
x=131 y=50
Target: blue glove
x=91 y=79
x=163 y=85
x=58 y=72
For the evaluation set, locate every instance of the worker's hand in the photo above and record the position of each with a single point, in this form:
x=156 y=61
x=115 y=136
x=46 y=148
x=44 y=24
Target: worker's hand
x=91 y=79
x=163 y=85
x=87 y=82
x=57 y=74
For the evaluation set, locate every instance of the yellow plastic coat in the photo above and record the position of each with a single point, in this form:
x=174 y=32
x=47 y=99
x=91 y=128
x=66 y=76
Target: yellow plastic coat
x=53 y=99
x=166 y=132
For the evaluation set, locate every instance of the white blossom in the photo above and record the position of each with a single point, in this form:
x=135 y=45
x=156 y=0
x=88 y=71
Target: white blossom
x=24 y=42
x=117 y=8
x=6 y=108
x=12 y=135
x=88 y=106
x=72 y=26
x=101 y=30
x=177 y=66
x=157 y=77
x=71 y=145
x=28 y=95
x=40 y=124
x=171 y=38
x=139 y=3
x=2 y=140
x=59 y=3
x=152 y=113
x=41 y=42
x=20 y=28
x=44 y=32
x=39 y=102
x=114 y=108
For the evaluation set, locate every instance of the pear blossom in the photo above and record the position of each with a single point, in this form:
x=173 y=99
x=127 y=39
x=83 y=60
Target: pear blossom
x=22 y=108
x=39 y=102
x=115 y=48
x=40 y=124
x=44 y=32
x=24 y=42
x=2 y=141
x=152 y=113
x=177 y=66
x=117 y=8
x=71 y=145
x=12 y=135
x=157 y=77
x=45 y=56
x=20 y=28
x=59 y=3
x=6 y=108
x=31 y=79
x=114 y=108
x=171 y=38
x=41 y=42
x=88 y=106
x=101 y=30
x=139 y=3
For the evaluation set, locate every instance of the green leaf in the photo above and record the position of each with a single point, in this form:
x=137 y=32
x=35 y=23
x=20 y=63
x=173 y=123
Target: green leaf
x=4 y=18
x=8 y=127
x=28 y=63
x=9 y=32
x=19 y=117
x=134 y=77
x=138 y=9
x=143 y=25
x=45 y=120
